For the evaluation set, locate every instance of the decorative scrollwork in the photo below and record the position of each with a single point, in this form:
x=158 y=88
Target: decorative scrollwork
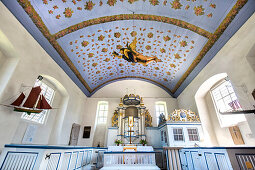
x=183 y=115
x=115 y=119
x=148 y=119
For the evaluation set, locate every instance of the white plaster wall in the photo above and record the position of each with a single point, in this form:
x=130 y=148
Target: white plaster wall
x=153 y=137
x=33 y=62
x=112 y=133
x=231 y=59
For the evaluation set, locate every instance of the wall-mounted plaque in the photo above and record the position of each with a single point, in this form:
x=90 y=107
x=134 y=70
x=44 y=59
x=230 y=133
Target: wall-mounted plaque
x=86 y=132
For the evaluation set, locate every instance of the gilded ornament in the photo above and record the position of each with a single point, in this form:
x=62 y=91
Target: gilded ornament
x=89 y=5
x=154 y=2
x=68 y=12
x=176 y=4
x=111 y=2
x=199 y=10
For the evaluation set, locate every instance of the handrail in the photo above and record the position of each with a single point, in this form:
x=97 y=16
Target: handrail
x=138 y=152
x=49 y=147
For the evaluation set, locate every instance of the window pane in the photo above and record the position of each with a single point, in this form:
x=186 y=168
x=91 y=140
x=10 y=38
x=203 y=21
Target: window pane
x=225 y=100
x=102 y=112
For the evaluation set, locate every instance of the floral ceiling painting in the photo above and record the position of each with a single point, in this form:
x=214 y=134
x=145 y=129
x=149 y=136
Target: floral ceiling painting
x=81 y=35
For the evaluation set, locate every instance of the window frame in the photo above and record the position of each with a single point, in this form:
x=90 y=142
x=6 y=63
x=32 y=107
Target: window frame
x=197 y=134
x=156 y=112
x=222 y=118
x=104 y=117
x=182 y=134
x=29 y=118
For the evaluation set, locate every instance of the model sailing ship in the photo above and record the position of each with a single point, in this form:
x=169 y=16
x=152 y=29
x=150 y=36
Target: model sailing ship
x=34 y=103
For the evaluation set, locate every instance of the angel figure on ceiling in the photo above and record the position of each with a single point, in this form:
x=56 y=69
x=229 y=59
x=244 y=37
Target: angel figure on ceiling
x=131 y=55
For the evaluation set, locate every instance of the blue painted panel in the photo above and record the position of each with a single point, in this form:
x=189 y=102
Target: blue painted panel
x=66 y=160
x=210 y=161
x=205 y=158
x=222 y=161
x=189 y=160
x=183 y=161
x=19 y=160
x=196 y=159
x=53 y=161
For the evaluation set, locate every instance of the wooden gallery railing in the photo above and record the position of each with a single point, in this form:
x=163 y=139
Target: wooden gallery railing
x=34 y=157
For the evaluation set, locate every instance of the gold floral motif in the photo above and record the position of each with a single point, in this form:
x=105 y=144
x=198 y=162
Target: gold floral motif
x=90 y=55
x=172 y=65
x=84 y=43
x=162 y=50
x=111 y=2
x=183 y=43
x=154 y=2
x=94 y=64
x=119 y=46
x=199 y=10
x=101 y=38
x=177 y=56
x=89 y=5
x=166 y=38
x=117 y=35
x=132 y=1
x=147 y=47
x=68 y=12
x=150 y=35
x=104 y=50
x=133 y=33
x=176 y=4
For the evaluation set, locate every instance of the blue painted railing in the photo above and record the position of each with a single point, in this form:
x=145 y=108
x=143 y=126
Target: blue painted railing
x=42 y=157
x=217 y=158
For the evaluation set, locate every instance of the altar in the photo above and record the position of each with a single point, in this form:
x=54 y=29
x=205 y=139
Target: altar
x=129 y=122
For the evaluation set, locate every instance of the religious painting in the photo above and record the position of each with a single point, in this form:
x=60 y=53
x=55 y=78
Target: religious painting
x=130 y=121
x=86 y=131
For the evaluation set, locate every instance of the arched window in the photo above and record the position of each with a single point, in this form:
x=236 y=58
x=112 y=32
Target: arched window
x=160 y=107
x=225 y=100
x=48 y=93
x=102 y=112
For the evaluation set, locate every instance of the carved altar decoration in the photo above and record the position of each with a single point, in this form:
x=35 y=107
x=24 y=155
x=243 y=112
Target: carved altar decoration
x=183 y=115
x=115 y=119
x=130 y=119
x=148 y=119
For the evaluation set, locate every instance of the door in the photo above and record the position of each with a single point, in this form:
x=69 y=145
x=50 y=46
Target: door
x=74 y=134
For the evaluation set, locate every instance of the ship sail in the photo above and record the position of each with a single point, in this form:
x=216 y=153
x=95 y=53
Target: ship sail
x=35 y=102
x=42 y=103
x=19 y=100
x=32 y=97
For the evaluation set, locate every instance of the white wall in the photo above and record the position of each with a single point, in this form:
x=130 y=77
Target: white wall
x=33 y=61
x=231 y=59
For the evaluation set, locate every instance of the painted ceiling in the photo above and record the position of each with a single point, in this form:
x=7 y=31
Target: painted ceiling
x=81 y=35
